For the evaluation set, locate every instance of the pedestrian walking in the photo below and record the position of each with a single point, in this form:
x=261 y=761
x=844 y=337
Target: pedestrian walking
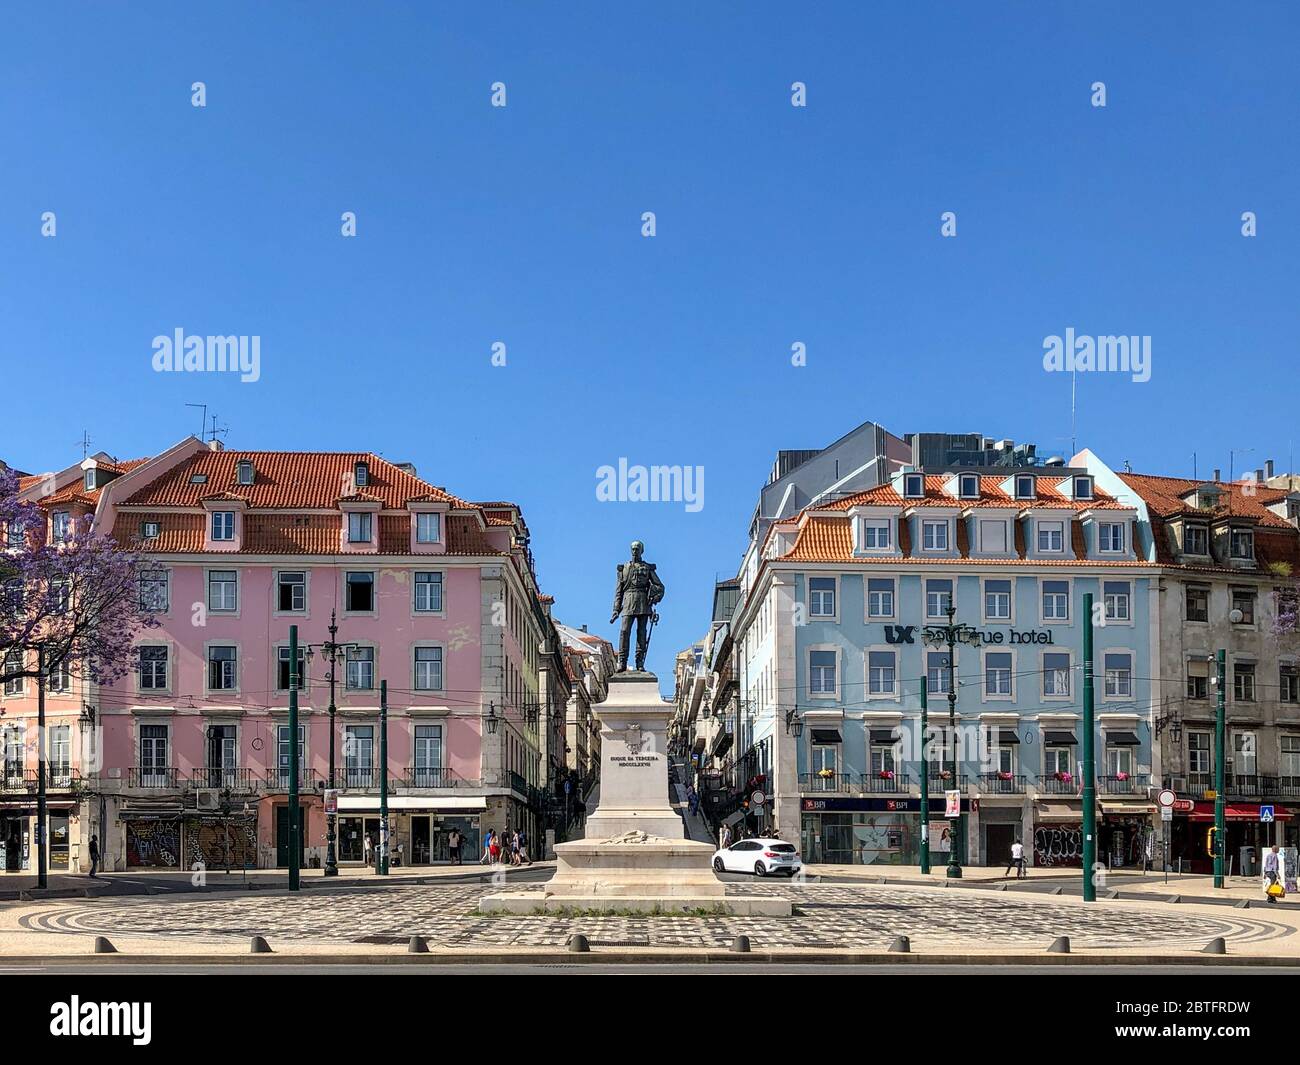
x=514 y=848
x=494 y=850
x=523 y=848
x=1272 y=874
x=726 y=837
x=692 y=800
x=1017 y=859
x=94 y=855
x=487 y=848
x=368 y=849
x=453 y=846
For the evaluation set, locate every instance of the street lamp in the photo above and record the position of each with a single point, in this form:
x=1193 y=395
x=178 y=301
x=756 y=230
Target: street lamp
x=331 y=650
x=793 y=723
x=936 y=634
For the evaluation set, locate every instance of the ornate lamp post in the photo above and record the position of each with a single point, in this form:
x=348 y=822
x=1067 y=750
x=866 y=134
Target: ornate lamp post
x=950 y=634
x=331 y=650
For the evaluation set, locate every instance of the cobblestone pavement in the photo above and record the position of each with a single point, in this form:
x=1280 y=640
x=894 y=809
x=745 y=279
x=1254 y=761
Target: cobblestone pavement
x=828 y=916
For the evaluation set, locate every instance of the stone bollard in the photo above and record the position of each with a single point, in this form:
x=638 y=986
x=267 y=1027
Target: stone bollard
x=900 y=945
x=259 y=945
x=1060 y=945
x=578 y=944
x=1217 y=945
x=103 y=945
x=740 y=945
x=417 y=945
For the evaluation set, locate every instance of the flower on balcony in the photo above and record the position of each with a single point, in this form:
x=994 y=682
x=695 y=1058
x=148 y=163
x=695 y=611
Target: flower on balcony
x=945 y=774
x=886 y=774
x=1003 y=775
x=825 y=774
x=1063 y=777
x=1121 y=776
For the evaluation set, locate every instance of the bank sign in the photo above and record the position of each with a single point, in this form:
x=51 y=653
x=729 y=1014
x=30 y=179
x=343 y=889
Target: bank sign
x=937 y=635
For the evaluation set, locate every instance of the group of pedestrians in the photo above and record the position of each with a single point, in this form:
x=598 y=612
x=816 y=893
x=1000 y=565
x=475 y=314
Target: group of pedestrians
x=511 y=847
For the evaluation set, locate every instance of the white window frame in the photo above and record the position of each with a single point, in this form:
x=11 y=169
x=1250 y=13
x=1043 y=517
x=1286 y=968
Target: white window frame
x=1084 y=487
x=1102 y=548
x=838 y=668
x=168 y=670
x=929 y=525
x=223 y=523
x=893 y=598
x=1054 y=619
x=417 y=584
x=925 y=592
x=998 y=697
x=962 y=480
x=421 y=533
x=1049 y=525
x=224 y=611
x=1018 y=486
x=1114 y=680
x=892 y=691
x=910 y=479
x=995 y=619
x=416 y=663
x=281 y=611
x=208 y=648
x=815 y=598
x=374 y=594
x=1204 y=533
x=877 y=524
x=353 y=656
x=1069 y=676
x=984 y=549
x=1107 y=597
x=1248 y=536
x=361 y=521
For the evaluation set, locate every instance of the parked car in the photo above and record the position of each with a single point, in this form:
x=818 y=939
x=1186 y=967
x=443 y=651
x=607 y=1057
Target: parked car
x=758 y=856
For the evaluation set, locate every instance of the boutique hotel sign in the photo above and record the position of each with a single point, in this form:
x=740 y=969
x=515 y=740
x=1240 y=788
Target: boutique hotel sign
x=937 y=635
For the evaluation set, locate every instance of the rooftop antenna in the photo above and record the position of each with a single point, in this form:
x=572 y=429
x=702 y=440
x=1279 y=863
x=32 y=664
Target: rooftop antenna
x=203 y=422
x=85 y=444
x=1232 y=455
x=1074 y=376
x=1194 y=477
x=214 y=432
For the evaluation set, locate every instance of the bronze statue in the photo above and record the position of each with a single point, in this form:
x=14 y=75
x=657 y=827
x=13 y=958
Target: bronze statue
x=638 y=590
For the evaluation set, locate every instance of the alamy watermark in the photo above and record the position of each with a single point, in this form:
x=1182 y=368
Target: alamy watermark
x=627 y=483
x=1103 y=354
x=213 y=354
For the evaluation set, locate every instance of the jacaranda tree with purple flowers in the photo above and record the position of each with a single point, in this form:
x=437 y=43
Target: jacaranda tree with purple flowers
x=74 y=603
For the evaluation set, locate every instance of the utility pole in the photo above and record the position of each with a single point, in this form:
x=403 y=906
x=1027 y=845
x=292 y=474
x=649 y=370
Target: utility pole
x=295 y=825
x=1220 y=810
x=925 y=777
x=42 y=812
x=383 y=778
x=1087 y=766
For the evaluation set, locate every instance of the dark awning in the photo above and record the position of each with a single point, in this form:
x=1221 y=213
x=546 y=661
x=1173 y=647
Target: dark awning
x=1059 y=739
x=1123 y=739
x=884 y=735
x=1007 y=735
x=722 y=744
x=826 y=735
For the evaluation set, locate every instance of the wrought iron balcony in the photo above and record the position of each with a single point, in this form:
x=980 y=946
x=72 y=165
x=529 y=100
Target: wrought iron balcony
x=277 y=780
x=890 y=782
x=818 y=782
x=153 y=778
x=358 y=776
x=1199 y=783
x=17 y=780
x=1002 y=784
x=431 y=776
x=1124 y=784
x=943 y=780
x=223 y=778
x=1054 y=784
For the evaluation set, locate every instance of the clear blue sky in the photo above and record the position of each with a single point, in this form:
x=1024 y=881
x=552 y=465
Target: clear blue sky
x=522 y=225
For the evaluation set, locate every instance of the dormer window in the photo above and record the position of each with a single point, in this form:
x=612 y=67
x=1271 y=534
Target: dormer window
x=428 y=528
x=1242 y=543
x=913 y=486
x=88 y=482
x=61 y=525
x=361 y=474
x=223 y=525
x=149 y=530
x=244 y=471
x=1196 y=540
x=359 y=528
x=1025 y=486
x=1083 y=488
x=1207 y=498
x=968 y=486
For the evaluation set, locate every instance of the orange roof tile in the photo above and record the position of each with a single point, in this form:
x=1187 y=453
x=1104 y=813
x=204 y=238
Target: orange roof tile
x=991 y=495
x=1163 y=496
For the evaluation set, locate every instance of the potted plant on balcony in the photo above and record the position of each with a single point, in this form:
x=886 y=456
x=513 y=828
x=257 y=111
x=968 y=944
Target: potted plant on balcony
x=1004 y=774
x=945 y=774
x=886 y=774
x=1121 y=775
x=1063 y=777
x=825 y=774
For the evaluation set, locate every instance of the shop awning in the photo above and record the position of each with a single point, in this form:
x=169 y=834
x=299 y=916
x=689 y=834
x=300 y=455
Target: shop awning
x=1059 y=739
x=722 y=744
x=1127 y=808
x=436 y=804
x=1058 y=811
x=1006 y=736
x=1237 y=811
x=884 y=735
x=1123 y=739
x=826 y=736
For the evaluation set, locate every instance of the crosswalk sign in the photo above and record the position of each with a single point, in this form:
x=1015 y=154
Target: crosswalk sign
x=1265 y=814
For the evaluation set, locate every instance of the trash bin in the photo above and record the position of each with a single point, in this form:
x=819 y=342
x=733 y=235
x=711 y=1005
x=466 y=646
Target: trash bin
x=1248 y=861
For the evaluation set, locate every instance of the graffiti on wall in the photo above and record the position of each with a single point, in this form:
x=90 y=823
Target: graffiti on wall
x=222 y=843
x=1058 y=844
x=153 y=844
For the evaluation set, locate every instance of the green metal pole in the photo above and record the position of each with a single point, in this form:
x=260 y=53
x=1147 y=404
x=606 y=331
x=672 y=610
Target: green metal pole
x=955 y=845
x=383 y=778
x=925 y=779
x=1087 y=766
x=295 y=827
x=1220 y=810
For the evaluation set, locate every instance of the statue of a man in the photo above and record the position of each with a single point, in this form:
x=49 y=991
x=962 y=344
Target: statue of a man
x=638 y=590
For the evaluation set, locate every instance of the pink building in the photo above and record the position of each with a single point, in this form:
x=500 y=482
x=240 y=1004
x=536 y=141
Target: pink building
x=185 y=761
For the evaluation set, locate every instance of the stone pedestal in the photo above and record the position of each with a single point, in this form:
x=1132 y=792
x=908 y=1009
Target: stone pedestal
x=635 y=855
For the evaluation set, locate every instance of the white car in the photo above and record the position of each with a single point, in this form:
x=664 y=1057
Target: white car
x=758 y=856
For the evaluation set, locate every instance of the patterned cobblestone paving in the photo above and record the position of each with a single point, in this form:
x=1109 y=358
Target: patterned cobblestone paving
x=828 y=916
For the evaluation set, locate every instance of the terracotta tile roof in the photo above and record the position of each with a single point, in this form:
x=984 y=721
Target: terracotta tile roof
x=991 y=495
x=75 y=491
x=288 y=479
x=178 y=532
x=1162 y=496
x=830 y=539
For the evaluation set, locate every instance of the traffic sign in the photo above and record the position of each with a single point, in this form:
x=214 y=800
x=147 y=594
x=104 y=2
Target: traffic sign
x=1265 y=814
x=758 y=798
x=1166 y=813
x=1167 y=798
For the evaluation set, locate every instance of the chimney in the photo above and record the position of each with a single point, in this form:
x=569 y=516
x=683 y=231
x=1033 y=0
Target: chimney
x=1268 y=468
x=1259 y=476
x=1216 y=474
x=584 y=627
x=215 y=445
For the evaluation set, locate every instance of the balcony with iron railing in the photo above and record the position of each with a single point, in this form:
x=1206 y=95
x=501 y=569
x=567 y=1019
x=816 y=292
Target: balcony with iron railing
x=1002 y=783
x=436 y=776
x=17 y=779
x=943 y=780
x=277 y=780
x=151 y=778
x=1124 y=784
x=1199 y=783
x=884 y=782
x=358 y=777
x=826 y=782
x=225 y=778
x=1058 y=784
x=518 y=784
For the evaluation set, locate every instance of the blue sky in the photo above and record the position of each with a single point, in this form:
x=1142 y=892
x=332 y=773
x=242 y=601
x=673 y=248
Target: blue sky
x=522 y=224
